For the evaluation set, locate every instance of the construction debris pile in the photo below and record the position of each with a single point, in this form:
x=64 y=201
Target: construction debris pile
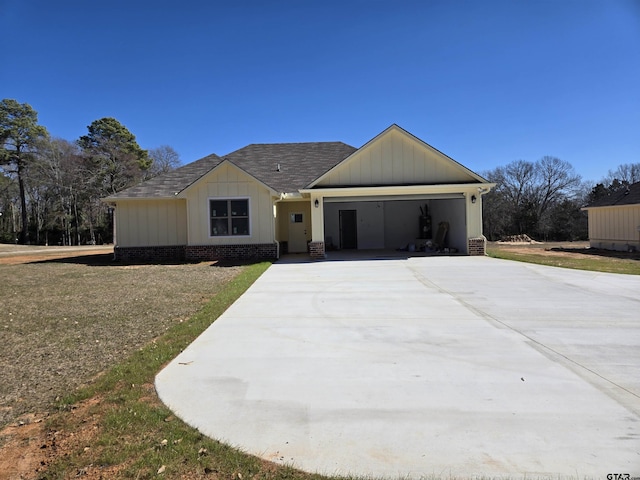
x=523 y=238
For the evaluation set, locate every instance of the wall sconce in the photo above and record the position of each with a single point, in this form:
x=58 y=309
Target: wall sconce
x=316 y=203
x=473 y=199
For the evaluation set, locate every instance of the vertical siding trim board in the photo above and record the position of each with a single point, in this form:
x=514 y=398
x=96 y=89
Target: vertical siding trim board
x=477 y=246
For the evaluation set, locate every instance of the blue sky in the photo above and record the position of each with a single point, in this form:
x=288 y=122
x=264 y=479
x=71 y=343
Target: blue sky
x=486 y=82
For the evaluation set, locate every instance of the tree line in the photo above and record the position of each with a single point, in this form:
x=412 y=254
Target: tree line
x=544 y=199
x=50 y=188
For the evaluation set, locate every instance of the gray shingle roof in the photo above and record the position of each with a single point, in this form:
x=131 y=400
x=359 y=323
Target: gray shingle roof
x=625 y=196
x=171 y=183
x=300 y=164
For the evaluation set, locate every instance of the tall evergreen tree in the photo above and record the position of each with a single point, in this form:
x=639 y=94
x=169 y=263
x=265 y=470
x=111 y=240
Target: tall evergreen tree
x=19 y=135
x=114 y=158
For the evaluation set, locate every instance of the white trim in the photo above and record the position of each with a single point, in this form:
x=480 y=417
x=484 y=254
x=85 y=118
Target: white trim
x=229 y=199
x=399 y=191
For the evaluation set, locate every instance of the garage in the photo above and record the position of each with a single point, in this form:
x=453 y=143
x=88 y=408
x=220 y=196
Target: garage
x=395 y=193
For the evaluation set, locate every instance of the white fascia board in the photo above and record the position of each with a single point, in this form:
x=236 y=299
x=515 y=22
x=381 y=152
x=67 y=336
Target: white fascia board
x=399 y=191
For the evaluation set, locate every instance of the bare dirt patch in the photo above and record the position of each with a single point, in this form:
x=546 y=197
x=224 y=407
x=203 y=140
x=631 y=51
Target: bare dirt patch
x=560 y=249
x=17 y=254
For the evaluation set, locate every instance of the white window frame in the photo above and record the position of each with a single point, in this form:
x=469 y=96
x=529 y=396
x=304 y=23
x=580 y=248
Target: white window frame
x=228 y=200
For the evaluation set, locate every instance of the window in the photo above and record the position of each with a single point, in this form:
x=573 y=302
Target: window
x=229 y=217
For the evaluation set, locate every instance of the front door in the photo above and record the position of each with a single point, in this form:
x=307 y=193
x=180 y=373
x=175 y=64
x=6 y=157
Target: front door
x=297 y=233
x=348 y=230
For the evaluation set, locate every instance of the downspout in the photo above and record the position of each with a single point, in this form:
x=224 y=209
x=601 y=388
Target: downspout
x=275 y=220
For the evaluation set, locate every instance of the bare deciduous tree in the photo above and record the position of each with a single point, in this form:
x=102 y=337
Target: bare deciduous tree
x=525 y=194
x=626 y=174
x=165 y=159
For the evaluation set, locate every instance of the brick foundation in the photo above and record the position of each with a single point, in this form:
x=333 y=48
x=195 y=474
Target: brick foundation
x=477 y=246
x=259 y=251
x=155 y=254
x=316 y=250
x=263 y=251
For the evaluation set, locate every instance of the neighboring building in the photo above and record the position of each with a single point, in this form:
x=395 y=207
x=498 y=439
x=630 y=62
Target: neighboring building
x=614 y=220
x=267 y=199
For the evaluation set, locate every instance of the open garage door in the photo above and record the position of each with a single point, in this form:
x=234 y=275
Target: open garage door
x=393 y=223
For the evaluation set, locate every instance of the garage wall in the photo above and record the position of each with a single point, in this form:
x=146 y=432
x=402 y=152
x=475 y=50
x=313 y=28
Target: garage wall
x=402 y=222
x=370 y=217
x=452 y=211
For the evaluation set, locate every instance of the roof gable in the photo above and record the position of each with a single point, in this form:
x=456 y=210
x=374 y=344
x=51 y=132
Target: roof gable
x=395 y=157
x=624 y=196
x=220 y=174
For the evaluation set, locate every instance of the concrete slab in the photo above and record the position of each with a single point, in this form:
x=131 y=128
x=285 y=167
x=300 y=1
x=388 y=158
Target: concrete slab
x=444 y=366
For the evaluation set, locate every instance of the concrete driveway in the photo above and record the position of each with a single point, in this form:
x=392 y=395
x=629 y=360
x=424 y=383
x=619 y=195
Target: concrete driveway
x=443 y=366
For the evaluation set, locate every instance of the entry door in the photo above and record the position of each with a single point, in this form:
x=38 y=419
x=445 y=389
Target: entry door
x=348 y=229
x=297 y=233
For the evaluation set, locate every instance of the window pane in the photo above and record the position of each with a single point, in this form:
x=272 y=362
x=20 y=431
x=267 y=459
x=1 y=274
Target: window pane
x=239 y=208
x=296 y=218
x=218 y=208
x=219 y=227
x=240 y=226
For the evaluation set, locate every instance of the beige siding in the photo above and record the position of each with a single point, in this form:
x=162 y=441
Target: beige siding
x=228 y=181
x=282 y=222
x=614 y=227
x=151 y=223
x=397 y=159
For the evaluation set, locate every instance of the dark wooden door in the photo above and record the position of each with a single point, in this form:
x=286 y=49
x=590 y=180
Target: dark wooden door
x=348 y=229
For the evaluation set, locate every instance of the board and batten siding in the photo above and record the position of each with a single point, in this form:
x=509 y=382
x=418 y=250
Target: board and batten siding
x=614 y=227
x=151 y=223
x=285 y=209
x=396 y=159
x=227 y=181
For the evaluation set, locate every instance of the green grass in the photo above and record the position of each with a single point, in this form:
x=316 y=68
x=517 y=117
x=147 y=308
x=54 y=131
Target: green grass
x=588 y=262
x=138 y=435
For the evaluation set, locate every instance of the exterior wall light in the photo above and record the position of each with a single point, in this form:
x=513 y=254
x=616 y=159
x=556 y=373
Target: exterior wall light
x=316 y=203
x=473 y=199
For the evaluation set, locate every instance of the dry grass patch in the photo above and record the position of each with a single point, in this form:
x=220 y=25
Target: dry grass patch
x=575 y=255
x=63 y=322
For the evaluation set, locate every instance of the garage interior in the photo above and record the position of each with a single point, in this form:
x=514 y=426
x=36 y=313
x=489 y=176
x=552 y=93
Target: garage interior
x=391 y=223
